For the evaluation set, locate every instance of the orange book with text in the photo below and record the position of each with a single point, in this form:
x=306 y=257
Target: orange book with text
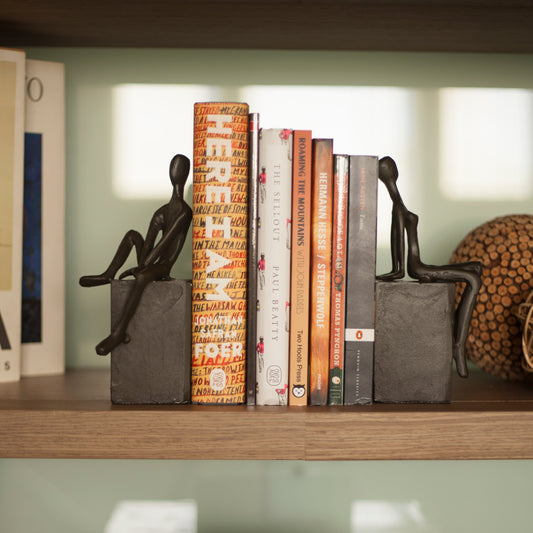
x=300 y=274
x=341 y=171
x=321 y=237
x=219 y=256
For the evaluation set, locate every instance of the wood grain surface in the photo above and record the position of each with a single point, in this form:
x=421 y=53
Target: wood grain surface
x=71 y=416
x=437 y=25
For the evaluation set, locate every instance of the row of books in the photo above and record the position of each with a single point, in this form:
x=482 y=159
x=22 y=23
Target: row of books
x=284 y=248
x=32 y=203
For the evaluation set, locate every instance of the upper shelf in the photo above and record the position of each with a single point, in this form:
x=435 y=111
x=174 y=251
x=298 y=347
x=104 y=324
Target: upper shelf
x=390 y=25
x=71 y=417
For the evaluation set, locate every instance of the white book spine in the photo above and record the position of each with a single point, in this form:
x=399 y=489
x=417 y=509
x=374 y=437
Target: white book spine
x=43 y=304
x=273 y=270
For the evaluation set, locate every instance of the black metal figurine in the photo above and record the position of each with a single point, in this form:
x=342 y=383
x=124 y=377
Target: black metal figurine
x=154 y=260
x=404 y=223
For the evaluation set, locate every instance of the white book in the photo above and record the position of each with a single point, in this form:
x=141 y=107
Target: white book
x=12 y=68
x=274 y=263
x=43 y=286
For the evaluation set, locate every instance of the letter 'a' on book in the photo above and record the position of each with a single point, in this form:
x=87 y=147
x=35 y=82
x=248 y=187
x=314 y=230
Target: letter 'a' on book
x=12 y=70
x=220 y=225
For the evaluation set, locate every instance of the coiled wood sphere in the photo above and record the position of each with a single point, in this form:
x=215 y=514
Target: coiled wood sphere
x=505 y=248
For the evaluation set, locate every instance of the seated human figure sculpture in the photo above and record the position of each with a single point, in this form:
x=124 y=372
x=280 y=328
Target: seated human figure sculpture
x=154 y=260
x=404 y=223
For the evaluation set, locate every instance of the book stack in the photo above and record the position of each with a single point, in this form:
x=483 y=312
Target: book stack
x=32 y=204
x=284 y=252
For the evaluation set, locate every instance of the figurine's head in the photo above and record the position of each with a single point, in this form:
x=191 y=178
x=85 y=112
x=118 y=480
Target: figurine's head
x=388 y=171
x=179 y=170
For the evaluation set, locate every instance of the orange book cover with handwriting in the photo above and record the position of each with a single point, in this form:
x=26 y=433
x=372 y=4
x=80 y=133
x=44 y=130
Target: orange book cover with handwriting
x=321 y=236
x=219 y=256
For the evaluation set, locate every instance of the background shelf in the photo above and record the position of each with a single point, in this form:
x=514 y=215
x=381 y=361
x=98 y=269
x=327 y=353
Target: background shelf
x=438 y=25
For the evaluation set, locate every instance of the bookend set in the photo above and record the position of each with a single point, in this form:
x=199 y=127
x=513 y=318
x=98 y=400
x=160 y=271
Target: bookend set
x=418 y=327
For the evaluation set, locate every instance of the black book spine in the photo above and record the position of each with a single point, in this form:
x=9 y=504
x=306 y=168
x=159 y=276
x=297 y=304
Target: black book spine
x=360 y=280
x=251 y=320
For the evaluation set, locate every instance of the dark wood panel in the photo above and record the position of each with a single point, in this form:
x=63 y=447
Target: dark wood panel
x=468 y=26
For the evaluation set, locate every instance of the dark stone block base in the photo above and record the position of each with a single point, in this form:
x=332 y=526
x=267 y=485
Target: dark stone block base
x=155 y=366
x=414 y=342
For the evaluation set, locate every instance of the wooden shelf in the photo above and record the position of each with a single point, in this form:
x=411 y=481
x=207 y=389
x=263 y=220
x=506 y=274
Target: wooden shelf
x=407 y=25
x=71 y=417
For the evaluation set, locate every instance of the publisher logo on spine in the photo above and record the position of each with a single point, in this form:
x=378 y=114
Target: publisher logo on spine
x=298 y=391
x=217 y=379
x=274 y=375
x=363 y=335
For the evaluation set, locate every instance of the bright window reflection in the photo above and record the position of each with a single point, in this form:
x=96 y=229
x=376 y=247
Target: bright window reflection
x=145 y=516
x=151 y=124
x=154 y=122
x=485 y=143
x=361 y=120
x=376 y=516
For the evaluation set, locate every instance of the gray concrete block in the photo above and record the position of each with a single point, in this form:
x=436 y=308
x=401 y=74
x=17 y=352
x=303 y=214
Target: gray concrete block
x=155 y=366
x=413 y=342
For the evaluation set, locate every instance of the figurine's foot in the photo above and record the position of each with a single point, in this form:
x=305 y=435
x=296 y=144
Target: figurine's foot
x=391 y=276
x=460 y=360
x=107 y=345
x=94 y=281
x=130 y=272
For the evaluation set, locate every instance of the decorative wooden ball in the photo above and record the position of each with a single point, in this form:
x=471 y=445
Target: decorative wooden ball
x=504 y=247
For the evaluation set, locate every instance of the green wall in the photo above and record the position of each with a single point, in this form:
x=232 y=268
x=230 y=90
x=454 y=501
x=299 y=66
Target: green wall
x=78 y=496
x=97 y=218
x=68 y=496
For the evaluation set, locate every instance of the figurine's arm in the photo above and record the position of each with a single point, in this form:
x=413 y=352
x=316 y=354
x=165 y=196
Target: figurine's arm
x=160 y=251
x=174 y=237
x=156 y=225
x=154 y=228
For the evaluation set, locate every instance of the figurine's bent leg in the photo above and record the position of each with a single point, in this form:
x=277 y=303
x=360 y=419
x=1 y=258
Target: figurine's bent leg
x=118 y=334
x=131 y=239
x=462 y=318
x=397 y=249
x=468 y=273
x=472 y=266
